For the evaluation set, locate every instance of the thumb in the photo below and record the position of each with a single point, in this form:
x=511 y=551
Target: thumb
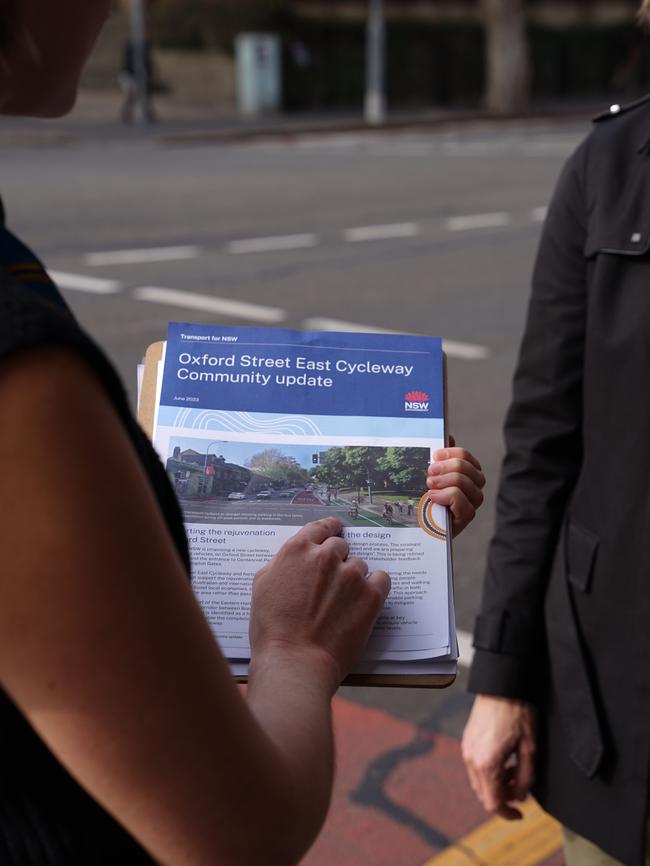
x=524 y=770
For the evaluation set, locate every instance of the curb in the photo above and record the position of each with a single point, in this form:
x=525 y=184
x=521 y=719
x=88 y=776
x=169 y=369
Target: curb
x=287 y=130
x=290 y=131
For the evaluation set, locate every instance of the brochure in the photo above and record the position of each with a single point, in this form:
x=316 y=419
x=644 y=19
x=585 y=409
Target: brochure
x=262 y=430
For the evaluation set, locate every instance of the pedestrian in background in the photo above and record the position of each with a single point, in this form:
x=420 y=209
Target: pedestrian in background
x=123 y=738
x=128 y=81
x=562 y=662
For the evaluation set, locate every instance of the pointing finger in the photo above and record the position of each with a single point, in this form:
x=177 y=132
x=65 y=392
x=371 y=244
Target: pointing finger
x=380 y=580
x=319 y=530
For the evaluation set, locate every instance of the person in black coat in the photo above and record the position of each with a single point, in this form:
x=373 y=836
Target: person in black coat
x=562 y=663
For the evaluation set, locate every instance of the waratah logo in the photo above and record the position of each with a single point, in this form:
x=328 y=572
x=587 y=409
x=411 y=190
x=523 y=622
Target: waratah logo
x=416 y=401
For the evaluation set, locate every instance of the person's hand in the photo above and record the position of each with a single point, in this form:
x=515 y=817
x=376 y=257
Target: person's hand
x=498 y=749
x=456 y=480
x=312 y=600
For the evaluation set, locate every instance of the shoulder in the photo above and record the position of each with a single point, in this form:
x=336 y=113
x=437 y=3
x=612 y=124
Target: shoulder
x=622 y=130
x=29 y=321
x=609 y=155
x=617 y=109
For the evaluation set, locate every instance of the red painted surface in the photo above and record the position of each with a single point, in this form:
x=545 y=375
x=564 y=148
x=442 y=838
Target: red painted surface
x=429 y=787
x=305 y=498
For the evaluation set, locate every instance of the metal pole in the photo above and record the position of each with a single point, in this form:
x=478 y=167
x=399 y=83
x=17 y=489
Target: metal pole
x=375 y=100
x=205 y=465
x=138 y=41
x=369 y=482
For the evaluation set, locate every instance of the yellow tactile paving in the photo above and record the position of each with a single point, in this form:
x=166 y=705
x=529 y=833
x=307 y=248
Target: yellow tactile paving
x=506 y=843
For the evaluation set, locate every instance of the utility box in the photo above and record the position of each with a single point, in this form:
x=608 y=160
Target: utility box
x=259 y=73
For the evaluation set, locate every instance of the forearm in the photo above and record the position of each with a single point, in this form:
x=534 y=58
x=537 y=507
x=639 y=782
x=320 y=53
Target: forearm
x=290 y=696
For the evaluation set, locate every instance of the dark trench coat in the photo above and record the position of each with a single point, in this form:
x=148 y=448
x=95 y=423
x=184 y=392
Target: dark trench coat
x=565 y=619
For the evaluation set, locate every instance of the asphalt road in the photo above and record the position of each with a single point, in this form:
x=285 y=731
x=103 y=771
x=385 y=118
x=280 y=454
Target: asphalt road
x=418 y=232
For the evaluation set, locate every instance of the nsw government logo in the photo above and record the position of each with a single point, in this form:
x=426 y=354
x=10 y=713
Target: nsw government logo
x=416 y=401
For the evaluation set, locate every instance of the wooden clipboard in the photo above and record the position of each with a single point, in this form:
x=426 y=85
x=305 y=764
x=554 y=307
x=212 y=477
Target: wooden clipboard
x=146 y=418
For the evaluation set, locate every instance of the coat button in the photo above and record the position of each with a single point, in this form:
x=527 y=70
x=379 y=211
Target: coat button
x=636 y=238
x=614 y=109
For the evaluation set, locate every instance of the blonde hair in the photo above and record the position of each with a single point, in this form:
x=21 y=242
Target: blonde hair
x=644 y=13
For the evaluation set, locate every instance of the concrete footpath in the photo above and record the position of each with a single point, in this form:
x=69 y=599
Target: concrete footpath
x=95 y=118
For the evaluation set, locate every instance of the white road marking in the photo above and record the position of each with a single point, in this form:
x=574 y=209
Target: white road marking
x=272 y=244
x=209 y=304
x=477 y=221
x=81 y=283
x=538 y=214
x=380 y=232
x=454 y=349
x=465 y=648
x=465 y=351
x=133 y=257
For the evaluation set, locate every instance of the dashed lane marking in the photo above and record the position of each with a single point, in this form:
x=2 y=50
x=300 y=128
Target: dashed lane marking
x=453 y=348
x=280 y=243
x=272 y=244
x=141 y=256
x=472 y=222
x=506 y=843
x=380 y=232
x=81 y=283
x=209 y=304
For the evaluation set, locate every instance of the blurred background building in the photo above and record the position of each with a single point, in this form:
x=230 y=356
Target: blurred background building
x=442 y=53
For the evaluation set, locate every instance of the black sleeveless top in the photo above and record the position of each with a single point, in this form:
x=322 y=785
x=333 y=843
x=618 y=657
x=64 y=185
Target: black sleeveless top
x=46 y=818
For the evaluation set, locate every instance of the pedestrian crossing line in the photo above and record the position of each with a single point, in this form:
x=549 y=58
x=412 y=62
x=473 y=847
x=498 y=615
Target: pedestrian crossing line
x=273 y=244
x=359 y=234
x=210 y=304
x=142 y=256
x=453 y=348
x=81 y=283
x=528 y=842
x=538 y=214
x=472 y=222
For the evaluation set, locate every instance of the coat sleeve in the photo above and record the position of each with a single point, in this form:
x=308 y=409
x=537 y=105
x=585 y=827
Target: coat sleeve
x=543 y=454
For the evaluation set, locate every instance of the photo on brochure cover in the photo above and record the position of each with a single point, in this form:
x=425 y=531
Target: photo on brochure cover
x=221 y=481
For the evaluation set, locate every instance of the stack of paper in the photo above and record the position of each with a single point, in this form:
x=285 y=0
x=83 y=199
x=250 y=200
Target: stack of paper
x=263 y=430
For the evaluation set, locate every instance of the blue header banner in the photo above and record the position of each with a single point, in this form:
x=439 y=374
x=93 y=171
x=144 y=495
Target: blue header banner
x=302 y=372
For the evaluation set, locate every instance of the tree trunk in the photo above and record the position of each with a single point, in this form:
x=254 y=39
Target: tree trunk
x=507 y=60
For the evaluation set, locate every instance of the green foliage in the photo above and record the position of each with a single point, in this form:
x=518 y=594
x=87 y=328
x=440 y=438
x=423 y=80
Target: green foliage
x=589 y=61
x=331 y=471
x=426 y=64
x=278 y=468
x=404 y=468
x=444 y=63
